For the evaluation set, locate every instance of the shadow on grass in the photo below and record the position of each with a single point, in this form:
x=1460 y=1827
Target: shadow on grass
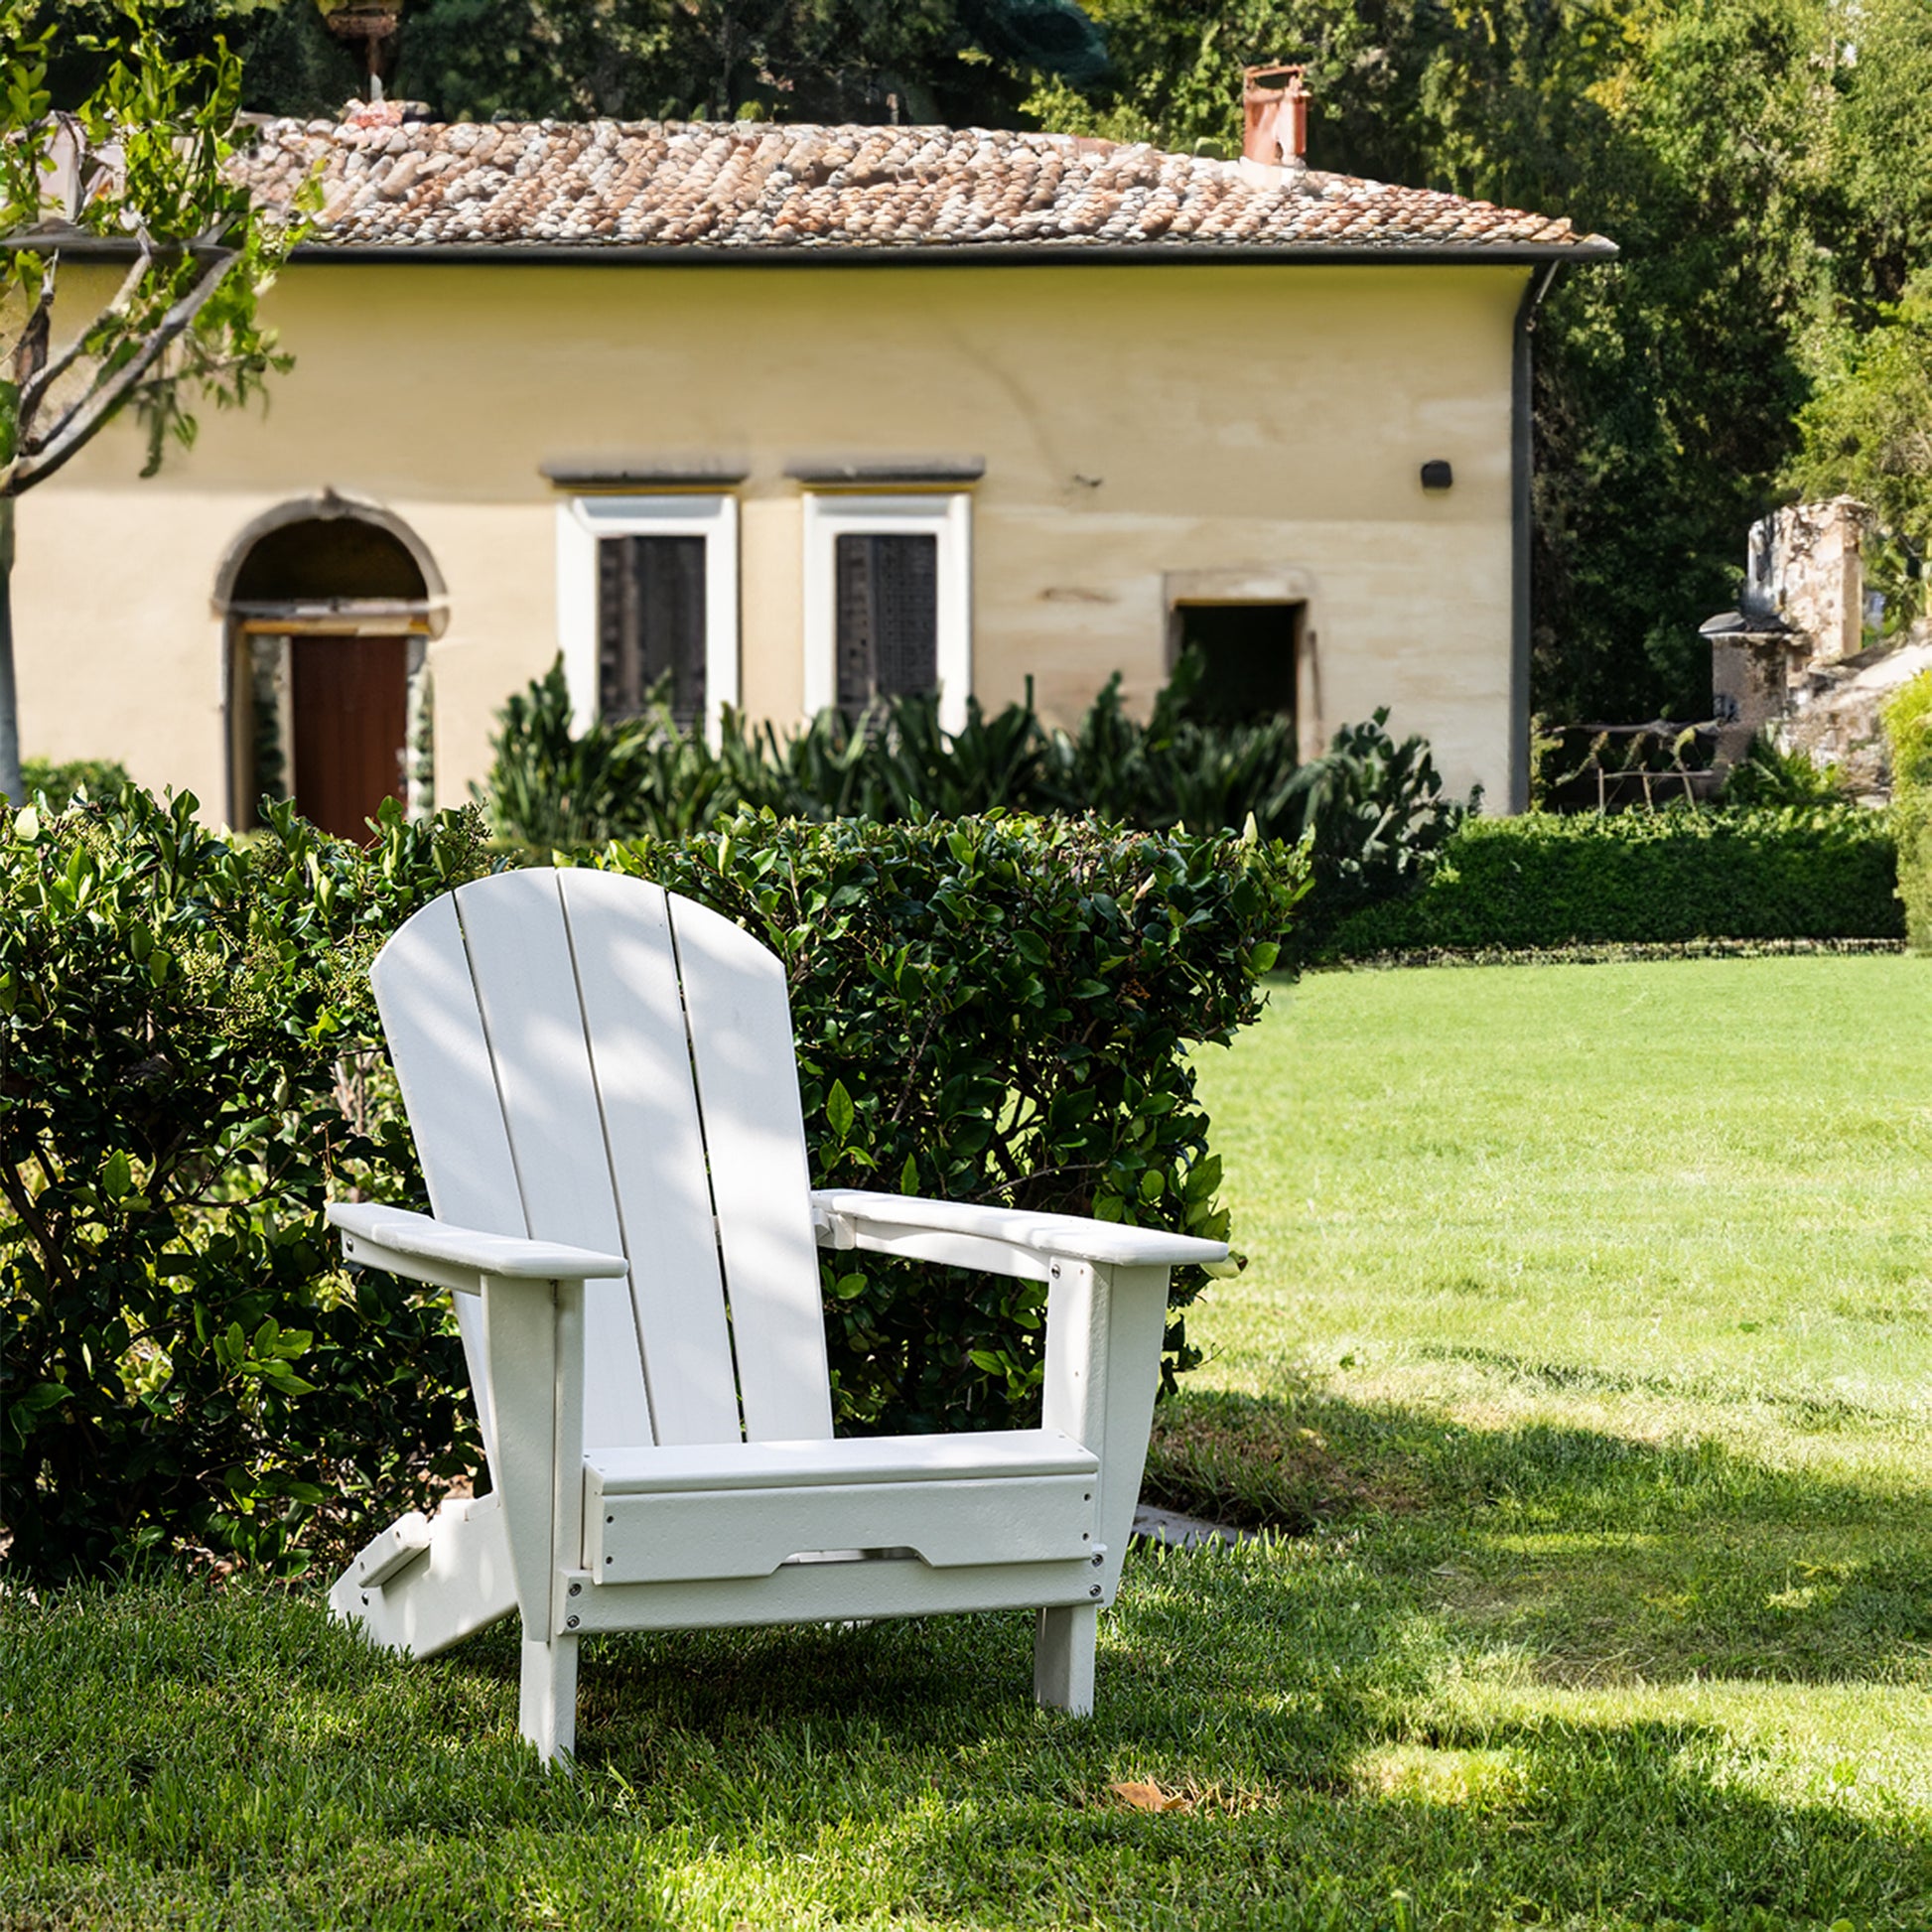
x=1595 y=1557
x=237 y=1750
x=1289 y=1700
x=1814 y=1411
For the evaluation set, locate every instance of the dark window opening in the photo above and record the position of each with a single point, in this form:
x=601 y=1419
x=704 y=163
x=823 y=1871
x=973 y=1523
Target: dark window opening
x=1248 y=655
x=650 y=626
x=888 y=618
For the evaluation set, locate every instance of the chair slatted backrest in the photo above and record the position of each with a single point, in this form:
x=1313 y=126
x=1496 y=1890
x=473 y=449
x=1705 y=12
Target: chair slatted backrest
x=588 y=1058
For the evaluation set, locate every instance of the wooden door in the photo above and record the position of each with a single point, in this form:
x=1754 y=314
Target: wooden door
x=351 y=700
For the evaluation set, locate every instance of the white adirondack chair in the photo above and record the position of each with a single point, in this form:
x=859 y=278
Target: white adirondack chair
x=602 y=1082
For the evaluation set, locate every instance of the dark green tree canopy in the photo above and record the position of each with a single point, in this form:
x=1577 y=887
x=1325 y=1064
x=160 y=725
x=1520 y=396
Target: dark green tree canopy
x=952 y=60
x=1765 y=166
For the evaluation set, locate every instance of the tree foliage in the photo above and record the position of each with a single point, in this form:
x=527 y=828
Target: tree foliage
x=1765 y=166
x=1868 y=430
x=140 y=167
x=139 y=170
x=956 y=60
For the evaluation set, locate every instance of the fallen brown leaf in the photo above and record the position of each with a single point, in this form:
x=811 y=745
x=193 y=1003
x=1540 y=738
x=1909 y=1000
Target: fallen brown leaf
x=1146 y=1795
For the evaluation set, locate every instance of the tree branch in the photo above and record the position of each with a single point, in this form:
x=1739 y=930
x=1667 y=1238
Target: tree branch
x=23 y=1205
x=70 y=434
x=35 y=391
x=30 y=352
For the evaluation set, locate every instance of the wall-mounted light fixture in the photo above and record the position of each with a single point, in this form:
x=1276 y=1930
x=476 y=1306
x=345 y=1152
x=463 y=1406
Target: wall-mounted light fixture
x=1436 y=475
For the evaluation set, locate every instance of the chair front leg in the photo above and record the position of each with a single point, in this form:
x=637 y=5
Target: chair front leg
x=1104 y=1327
x=1103 y=1365
x=533 y=1333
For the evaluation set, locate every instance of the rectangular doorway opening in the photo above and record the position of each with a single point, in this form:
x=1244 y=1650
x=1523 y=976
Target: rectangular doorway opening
x=1250 y=660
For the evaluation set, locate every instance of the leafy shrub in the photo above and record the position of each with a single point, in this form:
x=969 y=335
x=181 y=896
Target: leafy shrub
x=1909 y=734
x=1646 y=876
x=1373 y=811
x=994 y=1010
x=57 y=783
x=1908 y=728
x=1376 y=822
x=179 y=1017
x=552 y=788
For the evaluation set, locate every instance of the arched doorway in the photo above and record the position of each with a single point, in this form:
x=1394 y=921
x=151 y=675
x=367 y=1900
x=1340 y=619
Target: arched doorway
x=330 y=604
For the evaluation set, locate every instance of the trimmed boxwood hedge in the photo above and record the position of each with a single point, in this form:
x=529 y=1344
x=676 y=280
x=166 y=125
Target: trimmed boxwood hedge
x=1637 y=878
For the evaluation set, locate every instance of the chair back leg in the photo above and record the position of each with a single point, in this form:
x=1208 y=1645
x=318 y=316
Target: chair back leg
x=1063 y=1658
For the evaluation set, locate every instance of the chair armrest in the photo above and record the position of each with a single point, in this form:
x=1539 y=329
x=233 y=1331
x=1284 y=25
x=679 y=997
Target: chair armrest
x=1001 y=1240
x=428 y=1250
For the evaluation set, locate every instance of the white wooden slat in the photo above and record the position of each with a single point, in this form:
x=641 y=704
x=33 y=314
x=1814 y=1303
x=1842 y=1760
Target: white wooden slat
x=875 y=1219
x=442 y=1060
x=755 y=1138
x=627 y=976
x=520 y=1334
x=1103 y=1368
x=405 y=1236
x=1064 y=1642
x=964 y=1457
x=698 y=1535
x=832 y=1592
x=526 y=987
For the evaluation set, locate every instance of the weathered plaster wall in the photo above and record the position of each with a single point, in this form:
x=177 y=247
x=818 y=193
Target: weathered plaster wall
x=1133 y=421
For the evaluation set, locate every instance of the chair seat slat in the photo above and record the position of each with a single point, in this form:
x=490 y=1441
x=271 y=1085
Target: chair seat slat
x=846 y=1459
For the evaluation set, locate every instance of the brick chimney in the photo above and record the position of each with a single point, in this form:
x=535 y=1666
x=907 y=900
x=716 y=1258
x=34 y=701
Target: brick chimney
x=1275 y=110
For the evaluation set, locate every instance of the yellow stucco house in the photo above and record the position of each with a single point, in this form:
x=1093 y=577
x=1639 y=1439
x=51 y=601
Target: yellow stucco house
x=795 y=415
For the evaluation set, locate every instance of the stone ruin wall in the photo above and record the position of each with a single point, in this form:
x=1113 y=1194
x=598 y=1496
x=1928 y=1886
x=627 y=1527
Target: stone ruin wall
x=1797 y=664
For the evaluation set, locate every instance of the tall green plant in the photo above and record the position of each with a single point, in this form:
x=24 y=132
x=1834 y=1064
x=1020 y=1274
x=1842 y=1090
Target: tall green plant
x=1373 y=812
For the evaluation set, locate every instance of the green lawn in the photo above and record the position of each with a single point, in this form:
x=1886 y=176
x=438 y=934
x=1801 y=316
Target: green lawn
x=1585 y=1348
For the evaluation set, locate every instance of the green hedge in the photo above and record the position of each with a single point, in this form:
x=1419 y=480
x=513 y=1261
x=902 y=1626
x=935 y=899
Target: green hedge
x=185 y=1075
x=1908 y=724
x=1000 y=1009
x=56 y=783
x=190 y=1065
x=1634 y=878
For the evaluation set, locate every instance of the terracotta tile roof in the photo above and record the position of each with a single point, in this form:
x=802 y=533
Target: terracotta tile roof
x=390 y=182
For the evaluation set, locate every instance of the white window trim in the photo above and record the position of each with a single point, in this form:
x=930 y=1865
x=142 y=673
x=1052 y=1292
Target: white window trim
x=945 y=514
x=580 y=521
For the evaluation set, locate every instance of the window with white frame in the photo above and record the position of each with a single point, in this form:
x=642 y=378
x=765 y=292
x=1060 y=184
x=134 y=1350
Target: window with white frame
x=889 y=601
x=647 y=605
